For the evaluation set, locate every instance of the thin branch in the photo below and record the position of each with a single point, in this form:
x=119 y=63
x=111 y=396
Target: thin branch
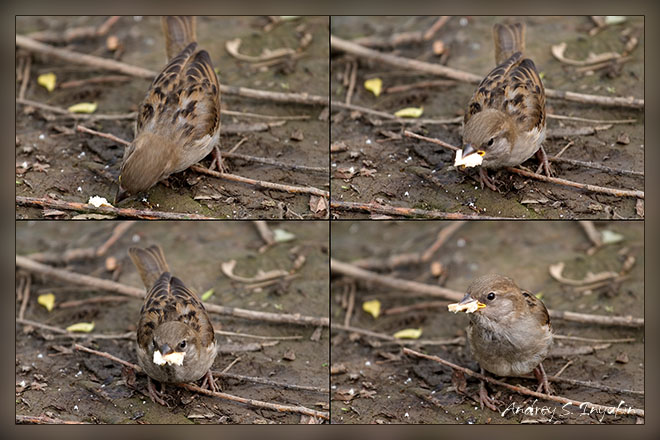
x=264 y=232
x=432 y=140
x=112 y=286
x=94 y=300
x=593 y=340
x=116 y=66
x=245 y=335
x=68 y=114
x=261 y=380
x=96 y=80
x=443 y=236
x=26 y=296
x=117 y=233
x=420 y=85
x=593 y=121
x=112 y=137
x=585 y=186
x=26 y=77
x=391 y=117
x=262 y=183
x=595 y=166
x=592 y=233
x=414 y=287
x=438 y=69
x=46 y=420
x=351 y=82
x=106 y=209
x=270 y=117
x=391 y=339
x=528 y=392
x=268 y=161
x=376 y=208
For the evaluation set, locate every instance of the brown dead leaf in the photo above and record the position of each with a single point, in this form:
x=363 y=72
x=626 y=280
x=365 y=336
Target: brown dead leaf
x=318 y=204
x=639 y=207
x=345 y=172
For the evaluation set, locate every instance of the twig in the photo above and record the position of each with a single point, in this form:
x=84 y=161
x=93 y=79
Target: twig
x=443 y=236
x=116 y=66
x=436 y=26
x=45 y=420
x=402 y=38
x=595 y=166
x=590 y=384
x=257 y=403
x=96 y=80
x=95 y=300
x=525 y=391
x=438 y=69
x=26 y=296
x=349 y=306
x=76 y=33
x=105 y=209
x=351 y=82
x=425 y=305
x=261 y=380
x=26 y=77
x=593 y=121
x=108 y=356
x=393 y=340
x=259 y=116
x=61 y=331
x=598 y=341
x=68 y=114
x=112 y=286
x=262 y=183
x=420 y=84
x=245 y=335
x=117 y=232
x=593 y=188
x=112 y=137
x=432 y=140
x=65 y=257
x=390 y=117
x=375 y=208
x=413 y=287
x=275 y=163
x=592 y=233
x=264 y=232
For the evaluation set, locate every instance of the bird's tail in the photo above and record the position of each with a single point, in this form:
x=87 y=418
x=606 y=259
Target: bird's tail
x=150 y=263
x=180 y=31
x=509 y=39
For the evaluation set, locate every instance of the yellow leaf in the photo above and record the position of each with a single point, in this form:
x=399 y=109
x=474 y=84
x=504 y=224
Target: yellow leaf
x=83 y=107
x=47 y=80
x=47 y=300
x=409 y=333
x=84 y=327
x=372 y=307
x=206 y=295
x=374 y=85
x=410 y=112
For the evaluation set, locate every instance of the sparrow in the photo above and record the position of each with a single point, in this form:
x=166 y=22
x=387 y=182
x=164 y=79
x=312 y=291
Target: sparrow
x=504 y=124
x=175 y=337
x=178 y=122
x=509 y=332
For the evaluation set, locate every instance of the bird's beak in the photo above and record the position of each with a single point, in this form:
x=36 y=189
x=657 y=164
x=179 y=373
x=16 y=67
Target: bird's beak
x=121 y=195
x=165 y=350
x=467 y=150
x=467 y=299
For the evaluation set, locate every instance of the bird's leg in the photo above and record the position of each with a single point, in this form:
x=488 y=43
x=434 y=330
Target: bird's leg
x=484 y=398
x=155 y=394
x=484 y=179
x=209 y=382
x=544 y=386
x=544 y=164
x=217 y=161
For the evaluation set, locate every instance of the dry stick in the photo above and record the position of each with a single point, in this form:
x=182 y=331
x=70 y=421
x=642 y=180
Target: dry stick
x=65 y=257
x=525 y=391
x=349 y=307
x=26 y=77
x=590 y=384
x=259 y=116
x=593 y=188
x=45 y=420
x=393 y=340
x=436 y=26
x=418 y=306
x=97 y=80
x=61 y=331
x=404 y=37
x=375 y=208
x=390 y=117
x=26 y=296
x=351 y=84
x=257 y=403
x=595 y=166
x=442 y=292
x=117 y=232
x=592 y=233
x=594 y=121
x=270 y=382
x=274 y=163
x=420 y=84
x=428 y=139
x=95 y=300
x=112 y=286
x=105 y=209
x=264 y=231
x=443 y=236
x=65 y=112
x=245 y=335
x=599 y=341
x=116 y=66
x=437 y=69
x=261 y=183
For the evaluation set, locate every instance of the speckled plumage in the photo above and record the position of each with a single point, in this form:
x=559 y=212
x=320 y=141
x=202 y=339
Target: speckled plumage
x=178 y=121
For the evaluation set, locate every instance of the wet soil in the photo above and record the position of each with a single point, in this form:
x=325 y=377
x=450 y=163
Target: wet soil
x=391 y=387
x=70 y=385
x=73 y=166
x=417 y=174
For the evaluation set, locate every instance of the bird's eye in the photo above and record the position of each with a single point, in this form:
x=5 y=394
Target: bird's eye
x=491 y=296
x=490 y=142
x=182 y=345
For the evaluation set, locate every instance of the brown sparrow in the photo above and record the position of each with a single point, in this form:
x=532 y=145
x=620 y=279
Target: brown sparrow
x=504 y=124
x=178 y=122
x=509 y=332
x=175 y=337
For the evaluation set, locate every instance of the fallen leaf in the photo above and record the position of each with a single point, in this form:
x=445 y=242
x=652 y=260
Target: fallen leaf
x=614 y=19
x=47 y=80
x=83 y=327
x=372 y=307
x=345 y=172
x=289 y=355
x=622 y=358
x=297 y=135
x=111 y=264
x=438 y=47
x=409 y=333
x=374 y=85
x=410 y=112
x=206 y=295
x=282 y=236
x=639 y=207
x=610 y=237
x=83 y=107
x=317 y=204
x=47 y=300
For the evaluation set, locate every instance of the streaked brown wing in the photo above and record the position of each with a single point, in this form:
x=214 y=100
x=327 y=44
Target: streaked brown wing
x=537 y=308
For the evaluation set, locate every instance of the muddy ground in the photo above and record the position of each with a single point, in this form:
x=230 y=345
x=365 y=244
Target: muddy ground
x=390 y=387
x=51 y=380
x=52 y=160
x=406 y=172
